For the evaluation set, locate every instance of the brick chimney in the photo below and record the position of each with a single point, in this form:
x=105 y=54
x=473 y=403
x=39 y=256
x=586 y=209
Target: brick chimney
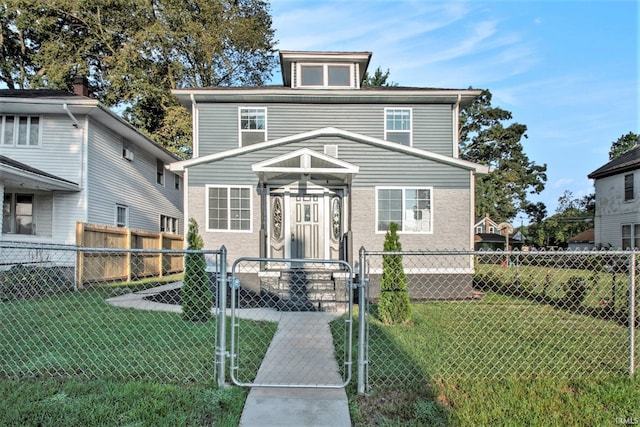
x=81 y=86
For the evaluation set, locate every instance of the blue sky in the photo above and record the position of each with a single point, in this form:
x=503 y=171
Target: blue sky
x=568 y=70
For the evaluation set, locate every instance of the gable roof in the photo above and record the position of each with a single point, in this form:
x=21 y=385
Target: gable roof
x=332 y=132
x=624 y=163
x=587 y=236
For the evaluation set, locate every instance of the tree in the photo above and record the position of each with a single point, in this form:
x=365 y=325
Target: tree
x=379 y=79
x=623 y=144
x=486 y=138
x=195 y=293
x=394 y=305
x=135 y=51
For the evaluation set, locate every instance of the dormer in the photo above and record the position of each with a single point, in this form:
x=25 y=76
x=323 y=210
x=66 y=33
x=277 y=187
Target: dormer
x=323 y=70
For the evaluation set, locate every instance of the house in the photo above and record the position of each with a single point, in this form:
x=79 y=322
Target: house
x=617 y=217
x=320 y=166
x=65 y=158
x=582 y=241
x=491 y=235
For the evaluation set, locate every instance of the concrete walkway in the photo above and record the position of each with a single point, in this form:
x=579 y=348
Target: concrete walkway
x=300 y=353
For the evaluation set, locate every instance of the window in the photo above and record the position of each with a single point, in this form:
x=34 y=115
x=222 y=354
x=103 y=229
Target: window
x=168 y=224
x=127 y=151
x=20 y=131
x=325 y=75
x=410 y=208
x=122 y=216
x=17 y=214
x=229 y=208
x=628 y=187
x=159 y=172
x=176 y=181
x=631 y=236
x=397 y=125
x=253 y=126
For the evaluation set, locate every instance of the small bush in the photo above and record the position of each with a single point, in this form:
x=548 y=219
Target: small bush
x=195 y=293
x=394 y=305
x=575 y=291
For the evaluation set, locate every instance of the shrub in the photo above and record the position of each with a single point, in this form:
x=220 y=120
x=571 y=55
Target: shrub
x=195 y=293
x=575 y=291
x=393 y=306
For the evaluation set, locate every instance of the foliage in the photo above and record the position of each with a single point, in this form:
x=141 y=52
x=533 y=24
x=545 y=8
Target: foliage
x=195 y=293
x=136 y=52
x=486 y=138
x=393 y=306
x=623 y=144
x=379 y=78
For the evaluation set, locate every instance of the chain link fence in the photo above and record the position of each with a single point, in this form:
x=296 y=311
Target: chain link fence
x=503 y=314
x=53 y=324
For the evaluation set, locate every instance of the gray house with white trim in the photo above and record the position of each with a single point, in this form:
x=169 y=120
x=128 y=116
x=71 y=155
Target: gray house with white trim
x=320 y=166
x=65 y=158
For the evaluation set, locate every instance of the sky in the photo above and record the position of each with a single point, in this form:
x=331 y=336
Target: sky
x=568 y=70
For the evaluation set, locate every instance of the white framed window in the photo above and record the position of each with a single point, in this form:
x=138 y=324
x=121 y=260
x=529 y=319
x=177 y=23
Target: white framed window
x=168 y=224
x=127 y=150
x=253 y=125
x=628 y=187
x=17 y=214
x=229 y=208
x=325 y=75
x=177 y=182
x=398 y=125
x=20 y=131
x=409 y=207
x=122 y=216
x=159 y=172
x=630 y=236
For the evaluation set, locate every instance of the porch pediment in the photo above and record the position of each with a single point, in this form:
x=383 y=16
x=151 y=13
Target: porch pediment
x=304 y=162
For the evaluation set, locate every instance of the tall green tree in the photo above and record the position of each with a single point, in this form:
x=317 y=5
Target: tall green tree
x=394 y=305
x=195 y=293
x=136 y=51
x=379 y=78
x=623 y=144
x=488 y=137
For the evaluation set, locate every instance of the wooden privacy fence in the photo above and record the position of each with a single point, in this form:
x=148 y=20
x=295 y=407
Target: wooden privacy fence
x=96 y=266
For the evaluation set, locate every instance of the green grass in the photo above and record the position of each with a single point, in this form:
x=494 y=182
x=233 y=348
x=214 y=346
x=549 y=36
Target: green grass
x=71 y=357
x=499 y=361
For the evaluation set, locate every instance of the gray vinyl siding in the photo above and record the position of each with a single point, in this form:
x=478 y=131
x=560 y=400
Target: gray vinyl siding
x=115 y=180
x=612 y=211
x=218 y=123
x=378 y=166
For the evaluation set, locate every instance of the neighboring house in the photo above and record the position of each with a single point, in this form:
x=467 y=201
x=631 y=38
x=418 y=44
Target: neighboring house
x=582 y=241
x=617 y=217
x=320 y=166
x=491 y=235
x=65 y=158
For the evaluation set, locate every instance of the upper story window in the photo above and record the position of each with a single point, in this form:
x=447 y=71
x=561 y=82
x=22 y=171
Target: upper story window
x=176 y=182
x=253 y=125
x=20 y=131
x=159 y=172
x=326 y=75
x=397 y=125
x=628 y=187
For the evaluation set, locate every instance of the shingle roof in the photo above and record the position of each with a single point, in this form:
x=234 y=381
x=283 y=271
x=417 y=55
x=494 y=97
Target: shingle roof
x=624 y=163
x=36 y=93
x=4 y=160
x=584 y=237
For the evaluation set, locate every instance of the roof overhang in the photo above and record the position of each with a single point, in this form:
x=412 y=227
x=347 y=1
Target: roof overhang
x=287 y=57
x=15 y=174
x=304 y=162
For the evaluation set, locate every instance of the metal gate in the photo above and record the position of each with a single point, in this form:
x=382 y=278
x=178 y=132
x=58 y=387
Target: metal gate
x=301 y=310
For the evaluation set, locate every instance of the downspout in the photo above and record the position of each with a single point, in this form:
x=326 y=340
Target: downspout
x=456 y=119
x=71 y=116
x=195 y=122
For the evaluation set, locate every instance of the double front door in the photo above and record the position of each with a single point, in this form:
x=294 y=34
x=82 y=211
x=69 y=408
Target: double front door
x=305 y=224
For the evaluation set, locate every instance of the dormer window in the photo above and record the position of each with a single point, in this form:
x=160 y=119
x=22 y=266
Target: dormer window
x=326 y=75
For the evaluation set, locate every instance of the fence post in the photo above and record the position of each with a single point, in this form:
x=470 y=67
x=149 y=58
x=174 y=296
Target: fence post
x=632 y=313
x=362 y=308
x=222 y=312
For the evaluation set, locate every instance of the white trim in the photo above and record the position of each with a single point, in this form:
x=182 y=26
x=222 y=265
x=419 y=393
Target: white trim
x=325 y=75
x=403 y=188
x=332 y=132
x=240 y=130
x=126 y=215
x=16 y=130
x=228 y=229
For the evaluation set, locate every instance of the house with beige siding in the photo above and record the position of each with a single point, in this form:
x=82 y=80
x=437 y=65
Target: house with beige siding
x=65 y=158
x=320 y=166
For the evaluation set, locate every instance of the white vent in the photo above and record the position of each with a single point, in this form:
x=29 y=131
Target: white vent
x=127 y=154
x=331 y=150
